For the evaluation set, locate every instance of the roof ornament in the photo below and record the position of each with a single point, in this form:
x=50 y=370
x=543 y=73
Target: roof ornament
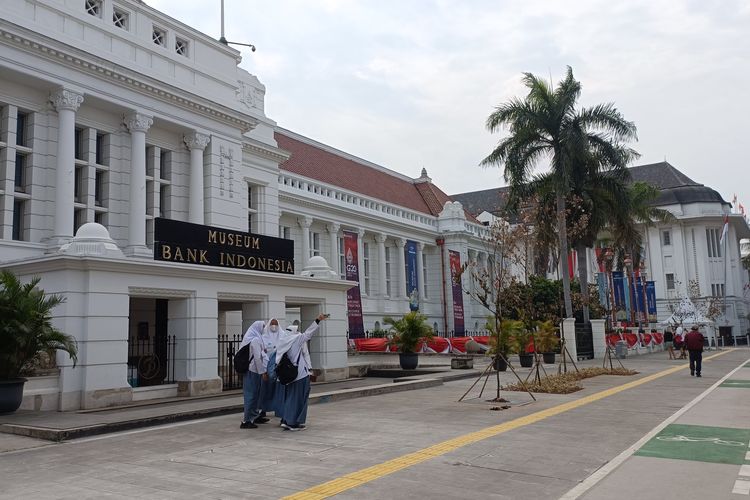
x=423 y=177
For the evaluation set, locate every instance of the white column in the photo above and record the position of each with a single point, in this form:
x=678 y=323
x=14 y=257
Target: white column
x=305 y=223
x=420 y=275
x=380 y=240
x=401 y=273
x=66 y=103
x=333 y=231
x=138 y=124
x=196 y=143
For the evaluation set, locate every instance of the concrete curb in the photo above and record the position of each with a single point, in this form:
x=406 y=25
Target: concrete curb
x=63 y=434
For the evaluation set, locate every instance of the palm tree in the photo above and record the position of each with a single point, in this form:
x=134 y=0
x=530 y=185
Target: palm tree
x=26 y=328
x=547 y=125
x=640 y=211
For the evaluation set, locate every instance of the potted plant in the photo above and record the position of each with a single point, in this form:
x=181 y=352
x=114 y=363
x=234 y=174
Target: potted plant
x=406 y=333
x=546 y=341
x=523 y=341
x=26 y=333
x=501 y=342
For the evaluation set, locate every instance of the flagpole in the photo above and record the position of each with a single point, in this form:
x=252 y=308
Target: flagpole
x=726 y=240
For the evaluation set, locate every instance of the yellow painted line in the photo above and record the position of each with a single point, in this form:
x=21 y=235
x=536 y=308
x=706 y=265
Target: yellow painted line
x=360 y=477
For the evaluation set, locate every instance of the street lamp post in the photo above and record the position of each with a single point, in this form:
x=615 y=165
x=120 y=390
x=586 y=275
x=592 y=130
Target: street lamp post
x=629 y=271
x=609 y=257
x=643 y=288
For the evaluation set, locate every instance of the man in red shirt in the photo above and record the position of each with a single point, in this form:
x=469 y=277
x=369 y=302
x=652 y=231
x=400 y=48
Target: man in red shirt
x=694 y=344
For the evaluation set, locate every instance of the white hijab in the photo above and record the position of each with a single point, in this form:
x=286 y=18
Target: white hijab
x=254 y=332
x=287 y=339
x=271 y=339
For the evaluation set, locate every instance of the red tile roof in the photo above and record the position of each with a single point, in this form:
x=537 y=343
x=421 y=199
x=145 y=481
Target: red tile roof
x=325 y=166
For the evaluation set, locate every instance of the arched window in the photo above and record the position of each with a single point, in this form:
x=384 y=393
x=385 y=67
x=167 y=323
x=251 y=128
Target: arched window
x=377 y=325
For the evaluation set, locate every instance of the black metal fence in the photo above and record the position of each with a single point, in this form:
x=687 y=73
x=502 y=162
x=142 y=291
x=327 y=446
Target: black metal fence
x=151 y=361
x=228 y=345
x=584 y=341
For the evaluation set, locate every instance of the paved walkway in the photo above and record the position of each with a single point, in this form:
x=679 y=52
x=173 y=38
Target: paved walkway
x=415 y=444
x=702 y=451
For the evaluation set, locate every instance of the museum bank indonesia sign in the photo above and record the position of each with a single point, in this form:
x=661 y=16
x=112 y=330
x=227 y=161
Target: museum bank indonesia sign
x=177 y=241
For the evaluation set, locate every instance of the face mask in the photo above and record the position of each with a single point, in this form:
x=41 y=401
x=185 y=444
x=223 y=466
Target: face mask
x=274 y=328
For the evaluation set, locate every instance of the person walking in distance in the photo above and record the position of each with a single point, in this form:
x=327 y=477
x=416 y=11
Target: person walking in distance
x=669 y=342
x=694 y=344
x=254 y=376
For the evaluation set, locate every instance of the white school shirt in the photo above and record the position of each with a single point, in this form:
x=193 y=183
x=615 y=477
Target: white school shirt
x=259 y=363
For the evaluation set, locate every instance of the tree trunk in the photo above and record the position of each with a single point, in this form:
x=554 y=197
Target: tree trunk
x=583 y=277
x=562 y=231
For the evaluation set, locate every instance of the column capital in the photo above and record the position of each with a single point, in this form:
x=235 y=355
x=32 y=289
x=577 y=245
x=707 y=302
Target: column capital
x=380 y=237
x=196 y=140
x=420 y=246
x=361 y=233
x=66 y=99
x=334 y=227
x=138 y=122
x=400 y=242
x=305 y=221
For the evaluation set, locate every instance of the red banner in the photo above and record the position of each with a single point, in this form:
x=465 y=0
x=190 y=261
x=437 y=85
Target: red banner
x=353 y=298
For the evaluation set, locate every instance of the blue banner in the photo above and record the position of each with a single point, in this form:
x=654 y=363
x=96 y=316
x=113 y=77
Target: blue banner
x=639 y=299
x=601 y=284
x=618 y=284
x=651 y=299
x=412 y=275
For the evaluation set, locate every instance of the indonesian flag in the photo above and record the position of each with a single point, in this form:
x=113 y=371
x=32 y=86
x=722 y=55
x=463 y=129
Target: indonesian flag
x=725 y=230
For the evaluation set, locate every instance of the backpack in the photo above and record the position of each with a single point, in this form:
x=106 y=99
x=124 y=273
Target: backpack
x=242 y=359
x=286 y=371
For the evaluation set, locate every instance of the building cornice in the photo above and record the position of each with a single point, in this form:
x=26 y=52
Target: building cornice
x=146 y=267
x=101 y=68
x=257 y=148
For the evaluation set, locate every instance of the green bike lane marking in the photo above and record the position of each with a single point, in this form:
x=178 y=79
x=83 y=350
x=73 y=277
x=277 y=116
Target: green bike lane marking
x=721 y=445
x=742 y=384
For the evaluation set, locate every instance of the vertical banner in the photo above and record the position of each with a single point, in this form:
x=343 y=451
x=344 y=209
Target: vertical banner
x=458 y=297
x=651 y=299
x=601 y=284
x=598 y=251
x=638 y=298
x=412 y=275
x=353 y=298
x=618 y=283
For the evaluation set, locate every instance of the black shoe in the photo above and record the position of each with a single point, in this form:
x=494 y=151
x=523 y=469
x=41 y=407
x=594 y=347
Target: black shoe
x=248 y=425
x=261 y=420
x=698 y=375
x=692 y=374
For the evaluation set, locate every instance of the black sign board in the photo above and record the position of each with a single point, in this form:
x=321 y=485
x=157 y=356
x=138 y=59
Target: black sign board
x=177 y=241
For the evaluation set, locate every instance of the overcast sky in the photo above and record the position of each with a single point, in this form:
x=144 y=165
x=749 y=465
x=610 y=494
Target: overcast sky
x=409 y=84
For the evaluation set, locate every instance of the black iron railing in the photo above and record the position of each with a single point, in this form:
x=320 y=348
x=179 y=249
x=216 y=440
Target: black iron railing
x=151 y=361
x=228 y=345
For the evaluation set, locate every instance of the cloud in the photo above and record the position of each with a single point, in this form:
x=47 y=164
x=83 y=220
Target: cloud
x=410 y=84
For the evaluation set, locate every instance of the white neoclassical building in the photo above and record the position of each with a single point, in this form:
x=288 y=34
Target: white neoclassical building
x=677 y=253
x=141 y=178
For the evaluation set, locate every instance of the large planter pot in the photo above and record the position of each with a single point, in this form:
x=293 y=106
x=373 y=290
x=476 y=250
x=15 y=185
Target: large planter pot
x=500 y=364
x=549 y=357
x=408 y=360
x=11 y=394
x=527 y=360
